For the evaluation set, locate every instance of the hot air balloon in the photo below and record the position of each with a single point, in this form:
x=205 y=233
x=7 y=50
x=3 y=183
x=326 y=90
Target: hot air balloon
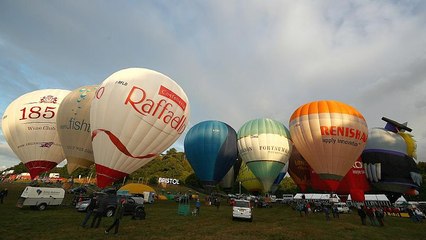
x=279 y=179
x=354 y=183
x=29 y=127
x=389 y=160
x=330 y=135
x=211 y=149
x=73 y=123
x=265 y=146
x=248 y=180
x=135 y=115
x=229 y=179
x=299 y=170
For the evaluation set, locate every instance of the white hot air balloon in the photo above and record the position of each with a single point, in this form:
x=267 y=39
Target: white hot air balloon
x=136 y=114
x=74 y=127
x=29 y=127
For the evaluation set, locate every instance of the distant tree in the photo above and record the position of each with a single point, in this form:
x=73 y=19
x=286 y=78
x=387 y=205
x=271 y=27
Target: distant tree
x=153 y=180
x=288 y=185
x=193 y=181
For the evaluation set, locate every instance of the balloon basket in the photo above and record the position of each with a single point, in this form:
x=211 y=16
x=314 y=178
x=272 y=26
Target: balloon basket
x=184 y=207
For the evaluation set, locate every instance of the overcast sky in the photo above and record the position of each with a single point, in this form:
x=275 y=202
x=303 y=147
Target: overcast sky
x=236 y=60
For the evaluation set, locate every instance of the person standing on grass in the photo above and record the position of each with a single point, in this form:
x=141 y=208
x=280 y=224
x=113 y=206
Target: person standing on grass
x=197 y=206
x=380 y=216
x=327 y=212
x=89 y=210
x=3 y=194
x=99 y=211
x=119 y=212
x=362 y=215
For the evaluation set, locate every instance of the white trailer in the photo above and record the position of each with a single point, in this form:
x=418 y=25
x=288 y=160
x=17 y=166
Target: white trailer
x=41 y=197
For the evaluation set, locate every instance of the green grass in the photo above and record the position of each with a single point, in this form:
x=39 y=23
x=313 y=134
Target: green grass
x=163 y=222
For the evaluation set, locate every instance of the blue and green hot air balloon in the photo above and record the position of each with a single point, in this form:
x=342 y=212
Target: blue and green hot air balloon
x=211 y=149
x=265 y=146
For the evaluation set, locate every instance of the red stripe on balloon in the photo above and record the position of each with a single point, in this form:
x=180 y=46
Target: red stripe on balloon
x=120 y=146
x=39 y=166
x=105 y=175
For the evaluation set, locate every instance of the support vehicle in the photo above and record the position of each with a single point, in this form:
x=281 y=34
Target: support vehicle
x=41 y=197
x=242 y=210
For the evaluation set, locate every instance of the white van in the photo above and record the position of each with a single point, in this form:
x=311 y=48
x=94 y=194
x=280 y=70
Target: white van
x=242 y=209
x=41 y=197
x=342 y=207
x=148 y=197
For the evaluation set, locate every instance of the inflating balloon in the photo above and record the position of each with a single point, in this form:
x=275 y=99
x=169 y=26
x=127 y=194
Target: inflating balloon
x=389 y=159
x=73 y=123
x=265 y=146
x=330 y=135
x=276 y=184
x=354 y=183
x=229 y=179
x=248 y=180
x=135 y=115
x=29 y=127
x=211 y=149
x=299 y=170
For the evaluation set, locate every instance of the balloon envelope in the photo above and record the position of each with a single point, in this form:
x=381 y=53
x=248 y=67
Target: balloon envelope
x=265 y=146
x=136 y=114
x=330 y=135
x=29 y=127
x=73 y=123
x=279 y=178
x=229 y=179
x=299 y=170
x=354 y=183
x=211 y=149
x=389 y=165
x=248 y=180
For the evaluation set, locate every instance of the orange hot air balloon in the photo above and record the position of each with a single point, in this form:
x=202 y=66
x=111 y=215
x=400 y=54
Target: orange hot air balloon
x=330 y=135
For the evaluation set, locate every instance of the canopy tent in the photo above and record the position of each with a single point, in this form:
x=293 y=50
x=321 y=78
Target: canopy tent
x=137 y=188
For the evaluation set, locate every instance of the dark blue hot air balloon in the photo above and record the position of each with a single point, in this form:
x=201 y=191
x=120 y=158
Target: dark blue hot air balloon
x=211 y=149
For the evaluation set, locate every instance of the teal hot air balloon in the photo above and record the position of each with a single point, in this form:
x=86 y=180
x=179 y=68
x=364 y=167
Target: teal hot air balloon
x=265 y=146
x=211 y=149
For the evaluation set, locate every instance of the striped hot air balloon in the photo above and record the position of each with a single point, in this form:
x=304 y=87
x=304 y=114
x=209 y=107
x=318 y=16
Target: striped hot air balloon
x=265 y=146
x=330 y=135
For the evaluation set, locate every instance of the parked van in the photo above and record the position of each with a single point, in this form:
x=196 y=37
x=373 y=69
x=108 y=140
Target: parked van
x=242 y=209
x=287 y=198
x=41 y=197
x=342 y=207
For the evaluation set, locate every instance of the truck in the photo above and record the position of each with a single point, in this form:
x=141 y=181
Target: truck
x=41 y=197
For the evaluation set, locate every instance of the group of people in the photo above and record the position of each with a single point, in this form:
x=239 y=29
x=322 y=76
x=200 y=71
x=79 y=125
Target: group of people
x=375 y=215
x=97 y=208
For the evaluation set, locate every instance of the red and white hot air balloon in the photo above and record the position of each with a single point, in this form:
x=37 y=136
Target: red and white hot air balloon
x=136 y=114
x=29 y=127
x=330 y=135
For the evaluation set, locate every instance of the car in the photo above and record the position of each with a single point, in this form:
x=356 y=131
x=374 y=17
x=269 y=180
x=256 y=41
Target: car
x=342 y=207
x=134 y=205
x=242 y=210
x=78 y=190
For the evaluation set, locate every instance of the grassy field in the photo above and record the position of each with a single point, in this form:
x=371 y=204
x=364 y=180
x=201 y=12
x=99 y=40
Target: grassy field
x=163 y=222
